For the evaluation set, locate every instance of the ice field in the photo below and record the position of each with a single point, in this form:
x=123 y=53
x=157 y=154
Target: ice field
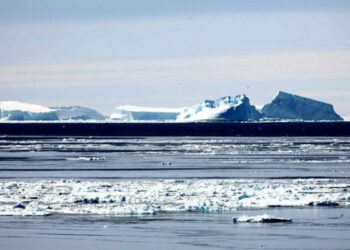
x=176 y=192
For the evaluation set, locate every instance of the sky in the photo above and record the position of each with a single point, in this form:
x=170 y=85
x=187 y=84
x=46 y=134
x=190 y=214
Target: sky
x=157 y=53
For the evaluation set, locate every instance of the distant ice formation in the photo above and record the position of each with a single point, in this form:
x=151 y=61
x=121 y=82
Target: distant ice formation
x=229 y=108
x=294 y=107
x=77 y=113
x=226 y=108
x=134 y=113
x=19 y=111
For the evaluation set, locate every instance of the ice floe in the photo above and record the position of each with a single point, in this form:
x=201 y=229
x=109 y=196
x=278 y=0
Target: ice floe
x=137 y=197
x=265 y=218
x=88 y=158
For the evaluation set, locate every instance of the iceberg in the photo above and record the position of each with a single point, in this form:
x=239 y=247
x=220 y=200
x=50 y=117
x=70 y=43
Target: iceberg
x=226 y=108
x=77 y=113
x=294 y=107
x=19 y=111
x=134 y=113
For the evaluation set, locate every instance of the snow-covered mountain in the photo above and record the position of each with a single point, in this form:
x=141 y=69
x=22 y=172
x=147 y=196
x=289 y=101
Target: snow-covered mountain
x=293 y=107
x=134 y=113
x=19 y=111
x=77 y=113
x=226 y=108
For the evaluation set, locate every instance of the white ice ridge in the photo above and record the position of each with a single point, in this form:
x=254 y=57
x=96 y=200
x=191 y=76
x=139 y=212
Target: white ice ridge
x=265 y=218
x=20 y=106
x=139 y=197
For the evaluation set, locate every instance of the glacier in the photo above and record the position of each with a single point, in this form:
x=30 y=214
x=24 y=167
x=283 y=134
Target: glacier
x=226 y=108
x=294 y=107
x=135 y=113
x=77 y=113
x=19 y=111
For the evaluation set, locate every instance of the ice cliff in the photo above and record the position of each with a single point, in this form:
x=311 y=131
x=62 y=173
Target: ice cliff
x=77 y=113
x=293 y=107
x=18 y=111
x=226 y=108
x=134 y=113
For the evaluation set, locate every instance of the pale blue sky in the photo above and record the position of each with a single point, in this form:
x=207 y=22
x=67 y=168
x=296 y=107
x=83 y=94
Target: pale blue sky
x=173 y=53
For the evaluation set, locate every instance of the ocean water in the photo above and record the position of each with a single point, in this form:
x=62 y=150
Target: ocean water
x=174 y=192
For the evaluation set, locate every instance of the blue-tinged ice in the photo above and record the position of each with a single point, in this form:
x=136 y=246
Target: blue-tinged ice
x=293 y=107
x=227 y=108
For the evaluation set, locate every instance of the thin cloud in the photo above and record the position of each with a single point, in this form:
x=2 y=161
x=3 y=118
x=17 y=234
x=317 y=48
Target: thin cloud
x=304 y=65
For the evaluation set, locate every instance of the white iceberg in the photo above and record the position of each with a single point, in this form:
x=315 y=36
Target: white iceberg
x=19 y=111
x=226 y=108
x=77 y=113
x=135 y=113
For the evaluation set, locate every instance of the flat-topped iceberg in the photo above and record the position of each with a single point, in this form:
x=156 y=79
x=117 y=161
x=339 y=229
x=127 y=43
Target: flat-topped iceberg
x=77 y=113
x=226 y=108
x=134 y=113
x=294 y=107
x=19 y=111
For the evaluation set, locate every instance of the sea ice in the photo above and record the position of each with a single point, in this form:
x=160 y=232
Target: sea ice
x=265 y=218
x=136 y=197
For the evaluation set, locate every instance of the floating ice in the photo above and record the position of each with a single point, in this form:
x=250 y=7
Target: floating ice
x=227 y=108
x=289 y=106
x=88 y=158
x=138 y=197
x=134 y=113
x=265 y=218
x=18 y=111
x=77 y=113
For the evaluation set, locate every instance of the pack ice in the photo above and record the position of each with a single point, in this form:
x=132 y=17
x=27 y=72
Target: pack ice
x=137 y=197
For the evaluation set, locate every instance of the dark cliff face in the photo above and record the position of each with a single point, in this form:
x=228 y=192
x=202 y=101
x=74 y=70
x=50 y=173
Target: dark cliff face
x=289 y=106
